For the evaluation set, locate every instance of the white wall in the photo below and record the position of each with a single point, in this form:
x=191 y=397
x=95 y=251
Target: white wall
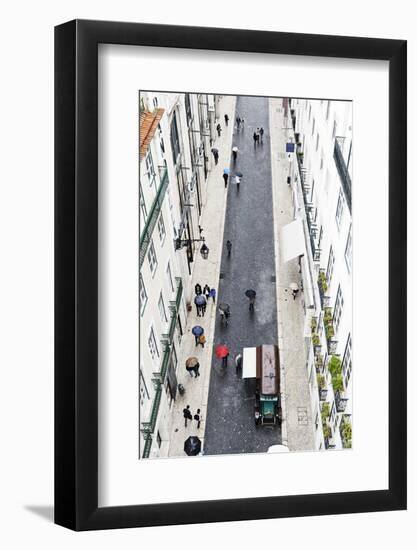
x=26 y=277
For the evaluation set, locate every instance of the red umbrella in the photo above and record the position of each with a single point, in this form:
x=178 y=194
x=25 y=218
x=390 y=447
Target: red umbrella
x=222 y=351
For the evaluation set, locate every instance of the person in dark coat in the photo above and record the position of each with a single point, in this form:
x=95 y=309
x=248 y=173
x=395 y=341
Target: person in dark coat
x=197 y=418
x=196 y=369
x=213 y=294
x=226 y=119
x=187 y=414
x=238 y=362
x=203 y=307
x=229 y=248
x=206 y=291
x=219 y=129
x=197 y=289
x=261 y=133
x=225 y=177
x=216 y=156
x=255 y=139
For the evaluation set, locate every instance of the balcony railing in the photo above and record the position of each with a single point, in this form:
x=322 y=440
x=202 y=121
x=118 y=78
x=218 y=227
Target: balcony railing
x=343 y=173
x=146 y=235
x=148 y=428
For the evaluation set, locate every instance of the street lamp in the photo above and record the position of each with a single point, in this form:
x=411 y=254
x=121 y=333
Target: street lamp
x=181 y=243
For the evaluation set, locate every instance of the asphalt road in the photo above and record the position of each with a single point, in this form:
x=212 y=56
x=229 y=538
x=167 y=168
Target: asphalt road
x=230 y=426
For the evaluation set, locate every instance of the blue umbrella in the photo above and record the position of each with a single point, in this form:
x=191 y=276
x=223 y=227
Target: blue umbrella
x=197 y=330
x=200 y=300
x=226 y=171
x=239 y=174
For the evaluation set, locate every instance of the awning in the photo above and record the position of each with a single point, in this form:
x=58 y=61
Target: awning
x=249 y=363
x=292 y=241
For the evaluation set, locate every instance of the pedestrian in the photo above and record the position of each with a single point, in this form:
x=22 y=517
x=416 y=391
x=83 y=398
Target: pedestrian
x=238 y=122
x=234 y=153
x=213 y=294
x=187 y=414
x=255 y=139
x=196 y=369
x=203 y=306
x=229 y=248
x=219 y=129
x=225 y=177
x=242 y=123
x=226 y=119
x=261 y=133
x=190 y=370
x=237 y=182
x=251 y=303
x=224 y=361
x=215 y=155
x=201 y=340
x=206 y=291
x=295 y=292
x=197 y=418
x=197 y=289
x=238 y=362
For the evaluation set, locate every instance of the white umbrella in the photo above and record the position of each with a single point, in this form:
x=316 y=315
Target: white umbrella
x=294 y=286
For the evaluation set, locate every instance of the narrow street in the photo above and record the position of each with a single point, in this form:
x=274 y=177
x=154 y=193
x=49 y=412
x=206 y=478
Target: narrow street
x=230 y=426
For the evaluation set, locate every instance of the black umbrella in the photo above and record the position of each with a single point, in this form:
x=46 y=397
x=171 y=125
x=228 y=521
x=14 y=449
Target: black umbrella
x=200 y=300
x=224 y=307
x=192 y=445
x=239 y=174
x=214 y=150
x=250 y=293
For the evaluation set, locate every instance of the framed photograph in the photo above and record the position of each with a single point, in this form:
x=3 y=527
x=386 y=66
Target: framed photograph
x=230 y=229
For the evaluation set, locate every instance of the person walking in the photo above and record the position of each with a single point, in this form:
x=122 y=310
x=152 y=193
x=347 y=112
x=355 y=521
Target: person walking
x=261 y=133
x=229 y=248
x=235 y=151
x=255 y=138
x=238 y=122
x=201 y=340
x=238 y=362
x=215 y=155
x=237 y=182
x=197 y=289
x=206 y=291
x=226 y=119
x=219 y=129
x=213 y=294
x=197 y=418
x=196 y=370
x=224 y=361
x=203 y=306
x=187 y=414
x=226 y=178
x=242 y=123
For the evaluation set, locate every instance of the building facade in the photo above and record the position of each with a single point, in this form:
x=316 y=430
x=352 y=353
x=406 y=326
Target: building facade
x=176 y=132
x=320 y=178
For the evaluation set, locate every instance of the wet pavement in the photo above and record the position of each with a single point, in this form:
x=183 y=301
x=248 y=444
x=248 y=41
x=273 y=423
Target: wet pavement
x=230 y=426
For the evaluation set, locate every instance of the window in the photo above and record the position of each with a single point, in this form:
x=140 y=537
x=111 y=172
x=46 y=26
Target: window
x=153 y=263
x=159 y=439
x=334 y=129
x=143 y=210
x=330 y=266
x=169 y=274
x=317 y=142
x=328 y=110
x=338 y=308
x=155 y=102
x=347 y=361
x=340 y=208
x=143 y=297
x=161 y=228
x=162 y=311
x=314 y=125
x=152 y=345
x=175 y=140
x=348 y=250
x=143 y=390
x=150 y=170
x=309 y=112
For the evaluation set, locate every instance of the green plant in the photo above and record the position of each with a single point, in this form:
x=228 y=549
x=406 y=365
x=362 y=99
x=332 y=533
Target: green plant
x=347 y=434
x=321 y=381
x=316 y=339
x=322 y=281
x=319 y=360
x=313 y=324
x=329 y=330
x=327 y=432
x=328 y=315
x=337 y=383
x=335 y=365
x=325 y=411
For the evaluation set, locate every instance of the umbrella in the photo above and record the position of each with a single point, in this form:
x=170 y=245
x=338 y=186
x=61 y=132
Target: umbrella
x=214 y=150
x=224 y=307
x=200 y=300
x=197 y=330
x=226 y=171
x=235 y=149
x=236 y=179
x=192 y=445
x=239 y=174
x=250 y=293
x=222 y=351
x=294 y=286
x=191 y=362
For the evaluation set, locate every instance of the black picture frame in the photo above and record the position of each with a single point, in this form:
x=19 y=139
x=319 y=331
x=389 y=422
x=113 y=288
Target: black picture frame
x=76 y=272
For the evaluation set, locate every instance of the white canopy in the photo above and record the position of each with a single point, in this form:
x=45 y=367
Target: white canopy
x=249 y=363
x=292 y=241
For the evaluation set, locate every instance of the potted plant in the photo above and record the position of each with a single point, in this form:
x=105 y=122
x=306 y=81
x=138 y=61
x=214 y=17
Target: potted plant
x=321 y=382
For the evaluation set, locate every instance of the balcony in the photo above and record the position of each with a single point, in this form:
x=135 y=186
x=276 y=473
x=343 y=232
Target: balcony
x=343 y=173
x=146 y=235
